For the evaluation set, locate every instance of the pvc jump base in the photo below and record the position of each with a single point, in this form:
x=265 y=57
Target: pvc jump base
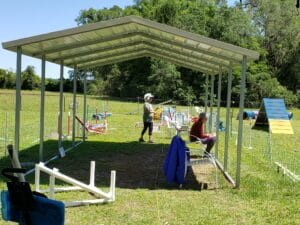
x=101 y=196
x=287 y=172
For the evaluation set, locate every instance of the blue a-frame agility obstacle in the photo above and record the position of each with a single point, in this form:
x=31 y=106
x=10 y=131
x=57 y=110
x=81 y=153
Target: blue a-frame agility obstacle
x=273 y=113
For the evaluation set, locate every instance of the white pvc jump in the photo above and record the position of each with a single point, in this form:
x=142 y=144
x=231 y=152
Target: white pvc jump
x=101 y=196
x=287 y=172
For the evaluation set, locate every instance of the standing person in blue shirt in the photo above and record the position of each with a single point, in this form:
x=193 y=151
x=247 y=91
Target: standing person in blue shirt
x=147 y=117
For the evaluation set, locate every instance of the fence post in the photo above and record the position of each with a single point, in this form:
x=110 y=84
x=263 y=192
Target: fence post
x=96 y=115
x=138 y=98
x=6 y=133
x=69 y=123
x=64 y=103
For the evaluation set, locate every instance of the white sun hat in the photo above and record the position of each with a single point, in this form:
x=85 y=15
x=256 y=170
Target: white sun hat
x=148 y=96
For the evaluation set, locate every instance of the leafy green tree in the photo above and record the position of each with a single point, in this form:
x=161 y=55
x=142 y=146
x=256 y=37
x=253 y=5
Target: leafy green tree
x=268 y=26
x=7 y=79
x=279 y=27
x=193 y=17
x=165 y=81
x=96 y=87
x=261 y=84
x=52 y=84
x=92 y=15
x=167 y=11
x=30 y=80
x=114 y=84
x=290 y=71
x=135 y=73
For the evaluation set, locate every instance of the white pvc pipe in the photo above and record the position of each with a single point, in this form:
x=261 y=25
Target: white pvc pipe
x=70 y=180
x=113 y=185
x=92 y=174
x=86 y=202
x=52 y=185
x=37 y=179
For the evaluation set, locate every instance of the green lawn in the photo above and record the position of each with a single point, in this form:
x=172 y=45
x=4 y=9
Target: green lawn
x=142 y=194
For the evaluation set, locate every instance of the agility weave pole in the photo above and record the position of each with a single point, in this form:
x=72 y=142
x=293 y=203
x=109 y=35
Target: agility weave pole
x=101 y=197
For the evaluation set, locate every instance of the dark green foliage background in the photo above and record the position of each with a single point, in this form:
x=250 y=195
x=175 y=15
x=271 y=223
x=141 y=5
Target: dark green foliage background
x=271 y=27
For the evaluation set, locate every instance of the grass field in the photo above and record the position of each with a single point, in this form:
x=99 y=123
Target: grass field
x=142 y=194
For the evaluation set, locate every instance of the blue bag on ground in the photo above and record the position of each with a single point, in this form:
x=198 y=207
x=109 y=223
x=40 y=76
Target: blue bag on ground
x=45 y=212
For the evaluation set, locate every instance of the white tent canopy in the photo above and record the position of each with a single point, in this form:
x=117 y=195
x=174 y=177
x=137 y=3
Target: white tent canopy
x=124 y=39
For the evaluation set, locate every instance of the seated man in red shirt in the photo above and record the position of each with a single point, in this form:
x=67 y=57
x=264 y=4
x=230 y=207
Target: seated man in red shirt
x=197 y=131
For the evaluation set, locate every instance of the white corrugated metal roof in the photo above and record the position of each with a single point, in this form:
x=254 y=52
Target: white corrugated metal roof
x=131 y=37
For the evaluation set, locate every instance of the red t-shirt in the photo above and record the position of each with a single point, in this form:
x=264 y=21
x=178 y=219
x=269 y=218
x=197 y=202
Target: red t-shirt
x=198 y=131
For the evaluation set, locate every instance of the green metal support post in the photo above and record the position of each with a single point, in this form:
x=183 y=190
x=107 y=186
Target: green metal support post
x=60 y=116
x=240 y=128
x=211 y=102
x=16 y=148
x=74 y=105
x=218 y=112
x=206 y=93
x=228 y=106
x=18 y=101
x=42 y=110
x=84 y=103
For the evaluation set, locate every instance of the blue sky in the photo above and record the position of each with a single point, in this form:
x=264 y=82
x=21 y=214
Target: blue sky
x=25 y=18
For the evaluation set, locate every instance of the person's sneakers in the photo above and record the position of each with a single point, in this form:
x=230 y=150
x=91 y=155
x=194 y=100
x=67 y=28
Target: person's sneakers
x=150 y=141
x=141 y=140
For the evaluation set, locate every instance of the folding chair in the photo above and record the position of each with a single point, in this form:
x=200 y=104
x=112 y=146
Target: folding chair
x=205 y=157
x=19 y=204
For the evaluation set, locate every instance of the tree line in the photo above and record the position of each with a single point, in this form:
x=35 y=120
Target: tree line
x=31 y=81
x=271 y=27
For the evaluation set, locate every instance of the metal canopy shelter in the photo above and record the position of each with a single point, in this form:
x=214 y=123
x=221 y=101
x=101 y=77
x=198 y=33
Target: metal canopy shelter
x=123 y=39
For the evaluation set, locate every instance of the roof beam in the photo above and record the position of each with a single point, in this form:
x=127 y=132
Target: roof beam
x=148 y=36
x=150 y=48
x=68 y=32
x=113 y=60
x=97 y=50
x=182 y=63
x=128 y=44
x=177 y=53
x=105 y=60
x=87 y=43
x=84 y=43
x=106 y=55
x=196 y=37
x=177 y=44
x=171 y=48
x=180 y=58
